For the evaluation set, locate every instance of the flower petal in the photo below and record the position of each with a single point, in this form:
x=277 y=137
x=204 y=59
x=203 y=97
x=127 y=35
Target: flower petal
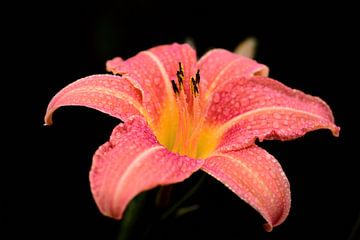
x=247 y=48
x=218 y=65
x=257 y=178
x=271 y=123
x=152 y=72
x=171 y=55
x=110 y=94
x=259 y=107
x=131 y=162
x=240 y=95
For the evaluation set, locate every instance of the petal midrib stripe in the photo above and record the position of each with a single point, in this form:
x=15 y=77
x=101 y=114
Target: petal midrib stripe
x=218 y=76
x=164 y=74
x=261 y=202
x=227 y=125
x=108 y=91
x=131 y=167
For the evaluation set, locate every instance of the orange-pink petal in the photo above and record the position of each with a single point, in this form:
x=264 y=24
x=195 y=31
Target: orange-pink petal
x=257 y=178
x=152 y=72
x=131 y=162
x=219 y=65
x=271 y=123
x=240 y=95
x=110 y=94
x=260 y=107
x=171 y=55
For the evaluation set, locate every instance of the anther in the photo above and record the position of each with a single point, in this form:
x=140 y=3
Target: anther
x=180 y=77
x=175 y=88
x=181 y=69
x=197 y=77
x=194 y=88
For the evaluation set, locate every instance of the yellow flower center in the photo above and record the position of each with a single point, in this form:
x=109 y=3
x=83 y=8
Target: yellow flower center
x=182 y=127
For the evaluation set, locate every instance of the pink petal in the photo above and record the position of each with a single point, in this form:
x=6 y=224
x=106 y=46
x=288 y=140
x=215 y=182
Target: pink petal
x=171 y=55
x=271 y=123
x=131 y=162
x=240 y=95
x=152 y=72
x=110 y=94
x=257 y=178
x=112 y=64
x=218 y=65
x=259 y=107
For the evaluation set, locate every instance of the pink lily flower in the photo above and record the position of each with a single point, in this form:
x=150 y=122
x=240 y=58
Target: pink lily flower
x=181 y=115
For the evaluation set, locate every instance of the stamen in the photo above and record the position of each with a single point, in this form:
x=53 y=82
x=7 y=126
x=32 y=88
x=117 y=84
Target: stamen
x=179 y=132
x=194 y=87
x=181 y=69
x=190 y=122
x=175 y=88
x=197 y=77
x=180 y=77
x=197 y=119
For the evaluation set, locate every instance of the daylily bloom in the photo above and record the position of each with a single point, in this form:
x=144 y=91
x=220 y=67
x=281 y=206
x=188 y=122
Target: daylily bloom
x=181 y=115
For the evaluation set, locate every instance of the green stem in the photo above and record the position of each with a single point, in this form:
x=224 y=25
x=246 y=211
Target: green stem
x=131 y=217
x=186 y=196
x=134 y=218
x=163 y=197
x=355 y=229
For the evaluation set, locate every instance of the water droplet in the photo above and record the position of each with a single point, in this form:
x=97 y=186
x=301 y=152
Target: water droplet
x=276 y=124
x=156 y=81
x=216 y=98
x=277 y=116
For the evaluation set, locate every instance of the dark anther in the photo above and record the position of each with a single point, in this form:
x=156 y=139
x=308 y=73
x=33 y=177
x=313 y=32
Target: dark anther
x=181 y=69
x=180 y=77
x=175 y=88
x=198 y=77
x=194 y=87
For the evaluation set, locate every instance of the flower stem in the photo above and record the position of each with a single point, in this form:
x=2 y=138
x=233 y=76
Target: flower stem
x=139 y=223
x=163 y=197
x=131 y=217
x=186 y=196
x=355 y=229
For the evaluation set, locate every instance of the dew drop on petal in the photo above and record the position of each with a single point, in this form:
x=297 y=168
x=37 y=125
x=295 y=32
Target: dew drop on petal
x=277 y=116
x=216 y=98
x=276 y=124
x=157 y=81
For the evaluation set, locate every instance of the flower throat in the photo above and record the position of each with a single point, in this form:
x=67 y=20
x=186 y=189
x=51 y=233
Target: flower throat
x=181 y=127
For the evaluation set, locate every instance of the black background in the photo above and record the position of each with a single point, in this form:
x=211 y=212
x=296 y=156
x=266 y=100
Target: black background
x=308 y=47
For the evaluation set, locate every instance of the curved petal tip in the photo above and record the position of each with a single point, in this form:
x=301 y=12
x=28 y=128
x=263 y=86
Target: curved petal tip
x=335 y=131
x=257 y=178
x=268 y=227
